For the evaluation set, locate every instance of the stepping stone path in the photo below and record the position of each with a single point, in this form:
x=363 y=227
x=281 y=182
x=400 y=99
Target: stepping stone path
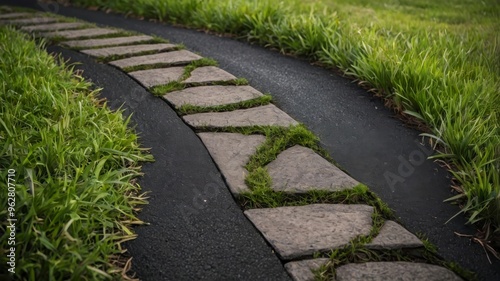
x=295 y=232
x=14 y=15
x=81 y=33
x=209 y=74
x=53 y=26
x=160 y=76
x=128 y=50
x=404 y=271
x=394 y=236
x=232 y=152
x=28 y=21
x=267 y=115
x=91 y=43
x=212 y=95
x=169 y=58
x=300 y=169
x=303 y=270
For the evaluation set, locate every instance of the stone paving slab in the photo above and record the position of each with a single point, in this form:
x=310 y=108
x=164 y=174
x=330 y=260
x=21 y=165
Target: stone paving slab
x=267 y=115
x=403 y=271
x=302 y=270
x=231 y=152
x=212 y=95
x=160 y=76
x=394 y=236
x=14 y=15
x=79 y=33
x=209 y=74
x=53 y=26
x=301 y=231
x=128 y=50
x=90 y=43
x=172 y=58
x=37 y=20
x=299 y=169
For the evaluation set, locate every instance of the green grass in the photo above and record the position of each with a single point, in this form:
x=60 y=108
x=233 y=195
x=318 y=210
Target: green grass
x=436 y=61
x=192 y=109
x=75 y=163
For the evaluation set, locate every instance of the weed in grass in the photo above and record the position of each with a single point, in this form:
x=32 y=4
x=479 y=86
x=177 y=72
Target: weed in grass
x=191 y=109
x=355 y=252
x=178 y=85
x=170 y=87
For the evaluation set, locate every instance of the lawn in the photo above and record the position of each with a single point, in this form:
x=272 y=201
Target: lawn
x=69 y=164
x=437 y=61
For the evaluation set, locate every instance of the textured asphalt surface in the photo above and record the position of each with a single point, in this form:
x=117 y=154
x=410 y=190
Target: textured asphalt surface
x=358 y=132
x=197 y=231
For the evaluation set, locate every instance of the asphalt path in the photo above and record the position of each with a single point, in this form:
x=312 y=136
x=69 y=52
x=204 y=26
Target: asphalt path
x=196 y=231
x=354 y=127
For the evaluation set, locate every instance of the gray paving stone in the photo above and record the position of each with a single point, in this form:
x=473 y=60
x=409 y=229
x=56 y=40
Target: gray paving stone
x=302 y=270
x=28 y=21
x=301 y=231
x=394 y=236
x=299 y=169
x=171 y=58
x=208 y=74
x=53 y=26
x=232 y=152
x=212 y=95
x=402 y=271
x=14 y=15
x=267 y=115
x=80 y=33
x=91 y=43
x=160 y=76
x=128 y=50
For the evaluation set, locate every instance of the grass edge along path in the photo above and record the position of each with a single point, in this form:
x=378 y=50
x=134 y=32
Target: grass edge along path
x=277 y=140
x=448 y=81
x=75 y=163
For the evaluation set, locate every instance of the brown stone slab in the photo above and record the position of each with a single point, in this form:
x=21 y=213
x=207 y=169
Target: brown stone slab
x=394 y=236
x=231 y=152
x=53 y=26
x=160 y=76
x=15 y=15
x=170 y=58
x=299 y=170
x=28 y=21
x=303 y=270
x=81 y=33
x=212 y=95
x=301 y=231
x=267 y=115
x=209 y=74
x=128 y=50
x=91 y=43
x=401 y=271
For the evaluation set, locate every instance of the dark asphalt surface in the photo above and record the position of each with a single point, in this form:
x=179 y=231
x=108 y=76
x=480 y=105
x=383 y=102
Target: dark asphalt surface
x=359 y=133
x=196 y=231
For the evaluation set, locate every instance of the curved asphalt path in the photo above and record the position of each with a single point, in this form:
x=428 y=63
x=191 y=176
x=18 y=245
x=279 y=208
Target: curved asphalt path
x=197 y=231
x=358 y=132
